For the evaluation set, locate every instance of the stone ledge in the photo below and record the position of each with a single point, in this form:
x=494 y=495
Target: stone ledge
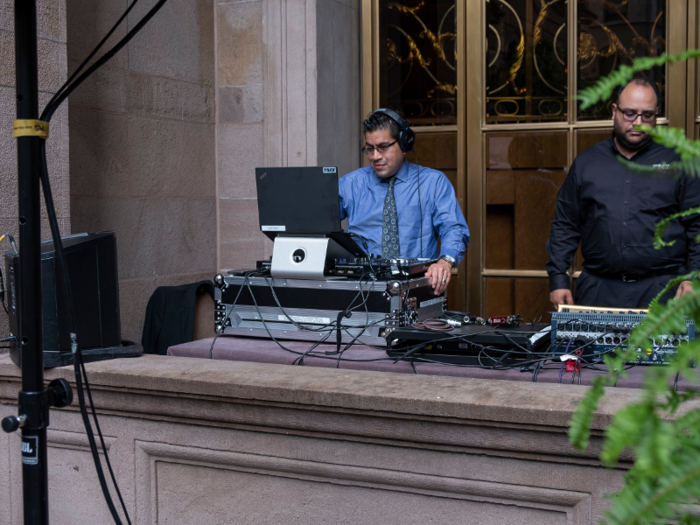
x=538 y=404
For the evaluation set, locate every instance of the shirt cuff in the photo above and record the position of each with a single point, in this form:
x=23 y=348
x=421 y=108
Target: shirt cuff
x=558 y=281
x=451 y=253
x=449 y=259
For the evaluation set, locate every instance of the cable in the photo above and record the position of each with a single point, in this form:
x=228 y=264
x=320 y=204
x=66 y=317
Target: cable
x=65 y=93
x=12 y=242
x=77 y=355
x=78 y=363
x=89 y=57
x=364 y=241
x=564 y=362
x=433 y=324
x=228 y=315
x=420 y=204
x=102 y=441
x=510 y=340
x=2 y=282
x=552 y=348
x=361 y=293
x=309 y=351
x=2 y=295
x=328 y=326
x=523 y=356
x=348 y=313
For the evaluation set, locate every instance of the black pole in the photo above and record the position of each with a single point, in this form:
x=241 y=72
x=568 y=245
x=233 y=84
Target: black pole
x=34 y=469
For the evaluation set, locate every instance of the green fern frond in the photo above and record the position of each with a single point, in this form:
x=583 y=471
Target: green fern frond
x=602 y=89
x=661 y=429
x=662 y=225
x=691 y=276
x=689 y=422
x=673 y=138
x=625 y=430
x=654 y=450
x=580 y=424
x=683 y=363
x=665 y=319
x=646 y=500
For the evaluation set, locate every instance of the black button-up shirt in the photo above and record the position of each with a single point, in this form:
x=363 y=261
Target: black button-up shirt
x=613 y=213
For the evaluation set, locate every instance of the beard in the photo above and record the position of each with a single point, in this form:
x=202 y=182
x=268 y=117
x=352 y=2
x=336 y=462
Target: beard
x=625 y=142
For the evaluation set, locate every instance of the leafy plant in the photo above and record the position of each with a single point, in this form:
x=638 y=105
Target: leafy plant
x=603 y=89
x=662 y=429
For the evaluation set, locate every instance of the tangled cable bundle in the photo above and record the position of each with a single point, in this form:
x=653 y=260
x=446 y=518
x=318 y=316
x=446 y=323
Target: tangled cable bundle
x=434 y=324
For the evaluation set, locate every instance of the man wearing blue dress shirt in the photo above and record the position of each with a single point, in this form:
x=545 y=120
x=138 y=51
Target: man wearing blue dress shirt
x=420 y=202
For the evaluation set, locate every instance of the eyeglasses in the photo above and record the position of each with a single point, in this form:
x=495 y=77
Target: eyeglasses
x=381 y=148
x=630 y=115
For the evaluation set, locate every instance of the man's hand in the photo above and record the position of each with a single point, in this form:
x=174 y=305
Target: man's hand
x=561 y=296
x=439 y=274
x=684 y=288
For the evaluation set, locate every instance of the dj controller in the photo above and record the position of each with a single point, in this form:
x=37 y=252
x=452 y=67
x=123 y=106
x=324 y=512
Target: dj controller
x=366 y=297
x=380 y=269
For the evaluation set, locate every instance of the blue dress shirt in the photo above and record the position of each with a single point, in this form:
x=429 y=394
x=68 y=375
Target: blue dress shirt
x=362 y=195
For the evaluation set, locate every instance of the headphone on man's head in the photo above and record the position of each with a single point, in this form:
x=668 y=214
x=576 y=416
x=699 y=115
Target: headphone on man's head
x=406 y=135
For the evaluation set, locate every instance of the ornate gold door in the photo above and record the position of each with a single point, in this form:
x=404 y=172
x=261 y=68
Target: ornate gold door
x=489 y=87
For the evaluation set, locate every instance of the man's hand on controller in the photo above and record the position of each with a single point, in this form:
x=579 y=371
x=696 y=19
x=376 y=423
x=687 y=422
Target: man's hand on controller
x=439 y=274
x=561 y=296
x=684 y=288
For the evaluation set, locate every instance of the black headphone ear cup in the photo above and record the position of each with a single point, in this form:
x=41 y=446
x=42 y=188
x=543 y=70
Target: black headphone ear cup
x=406 y=139
x=406 y=135
x=410 y=138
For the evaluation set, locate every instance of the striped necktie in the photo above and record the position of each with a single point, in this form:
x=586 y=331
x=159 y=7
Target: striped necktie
x=390 y=225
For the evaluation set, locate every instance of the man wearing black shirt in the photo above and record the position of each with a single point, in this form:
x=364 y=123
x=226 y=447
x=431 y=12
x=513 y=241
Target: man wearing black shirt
x=613 y=213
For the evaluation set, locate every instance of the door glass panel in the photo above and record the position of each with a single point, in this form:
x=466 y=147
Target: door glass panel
x=437 y=151
x=418 y=60
x=526 y=54
x=611 y=34
x=523 y=175
x=587 y=138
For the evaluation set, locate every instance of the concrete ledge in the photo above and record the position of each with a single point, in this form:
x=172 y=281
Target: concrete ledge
x=483 y=416
x=181 y=431
x=464 y=398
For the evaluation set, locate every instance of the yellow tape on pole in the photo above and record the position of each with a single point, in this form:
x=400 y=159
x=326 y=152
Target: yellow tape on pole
x=30 y=128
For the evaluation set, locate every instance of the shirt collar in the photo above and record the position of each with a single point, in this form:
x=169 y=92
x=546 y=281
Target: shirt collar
x=401 y=176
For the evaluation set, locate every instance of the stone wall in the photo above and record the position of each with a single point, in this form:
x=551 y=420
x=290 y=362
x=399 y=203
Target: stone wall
x=199 y=441
x=142 y=145
x=164 y=138
x=288 y=77
x=51 y=31
x=339 y=84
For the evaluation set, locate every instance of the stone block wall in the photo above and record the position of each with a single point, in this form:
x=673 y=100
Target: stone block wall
x=288 y=77
x=240 y=148
x=338 y=59
x=51 y=32
x=166 y=136
x=143 y=148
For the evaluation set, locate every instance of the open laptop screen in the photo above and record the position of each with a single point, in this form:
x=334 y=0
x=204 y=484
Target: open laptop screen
x=302 y=200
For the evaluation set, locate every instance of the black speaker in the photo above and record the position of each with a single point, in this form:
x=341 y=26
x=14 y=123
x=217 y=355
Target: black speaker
x=91 y=259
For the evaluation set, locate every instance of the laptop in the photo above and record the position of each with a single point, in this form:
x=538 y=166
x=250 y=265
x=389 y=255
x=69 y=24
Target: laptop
x=302 y=202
